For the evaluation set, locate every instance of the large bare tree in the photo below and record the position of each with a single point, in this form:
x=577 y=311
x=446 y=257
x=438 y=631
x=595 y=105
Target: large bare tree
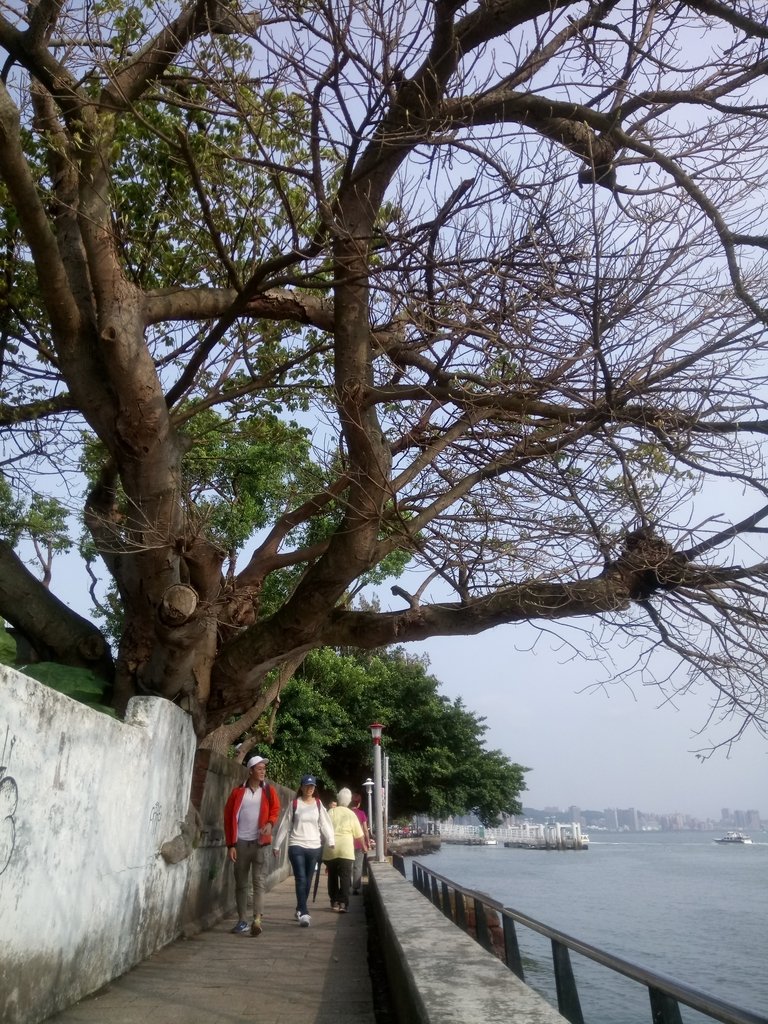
x=504 y=259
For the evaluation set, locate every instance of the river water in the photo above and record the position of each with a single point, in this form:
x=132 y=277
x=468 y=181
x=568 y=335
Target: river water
x=677 y=903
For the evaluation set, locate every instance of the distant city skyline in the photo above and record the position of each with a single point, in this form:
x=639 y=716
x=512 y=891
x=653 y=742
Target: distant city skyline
x=627 y=819
x=613 y=745
x=617 y=819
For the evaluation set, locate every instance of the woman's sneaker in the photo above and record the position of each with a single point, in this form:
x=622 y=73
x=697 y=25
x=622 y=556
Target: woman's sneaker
x=304 y=920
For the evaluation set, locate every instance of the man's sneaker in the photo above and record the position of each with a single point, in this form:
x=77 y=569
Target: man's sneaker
x=256 y=928
x=240 y=928
x=298 y=914
x=342 y=909
x=304 y=920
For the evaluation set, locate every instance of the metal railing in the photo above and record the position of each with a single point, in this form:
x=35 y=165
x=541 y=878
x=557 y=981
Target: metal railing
x=665 y=994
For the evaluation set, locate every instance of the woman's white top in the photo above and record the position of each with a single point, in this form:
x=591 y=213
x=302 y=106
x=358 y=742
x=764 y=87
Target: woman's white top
x=309 y=826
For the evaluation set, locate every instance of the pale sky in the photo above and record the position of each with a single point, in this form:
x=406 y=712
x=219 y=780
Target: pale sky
x=601 y=749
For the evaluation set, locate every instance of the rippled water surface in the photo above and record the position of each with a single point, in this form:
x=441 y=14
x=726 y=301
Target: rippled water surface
x=678 y=903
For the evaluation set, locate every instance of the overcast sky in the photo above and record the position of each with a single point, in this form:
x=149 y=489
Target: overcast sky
x=595 y=749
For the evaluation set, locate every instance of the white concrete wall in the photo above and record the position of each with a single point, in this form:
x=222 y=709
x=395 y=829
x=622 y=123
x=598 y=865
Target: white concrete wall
x=85 y=804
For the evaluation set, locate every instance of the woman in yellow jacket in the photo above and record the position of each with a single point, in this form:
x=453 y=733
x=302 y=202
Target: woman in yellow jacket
x=340 y=860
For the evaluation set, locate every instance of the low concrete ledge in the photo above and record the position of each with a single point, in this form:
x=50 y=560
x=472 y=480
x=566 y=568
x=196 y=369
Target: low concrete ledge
x=437 y=974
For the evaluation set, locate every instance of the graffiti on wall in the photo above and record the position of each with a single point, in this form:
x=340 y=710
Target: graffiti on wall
x=9 y=801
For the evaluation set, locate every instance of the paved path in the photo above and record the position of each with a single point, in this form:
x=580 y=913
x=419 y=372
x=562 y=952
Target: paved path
x=288 y=975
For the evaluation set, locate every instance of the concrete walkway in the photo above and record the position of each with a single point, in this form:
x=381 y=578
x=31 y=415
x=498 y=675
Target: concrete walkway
x=288 y=975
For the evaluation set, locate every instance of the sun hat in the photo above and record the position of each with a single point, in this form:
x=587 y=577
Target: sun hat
x=308 y=780
x=256 y=760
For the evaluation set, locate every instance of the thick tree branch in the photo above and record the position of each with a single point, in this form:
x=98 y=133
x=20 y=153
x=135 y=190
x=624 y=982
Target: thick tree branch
x=646 y=567
x=149 y=63
x=32 y=412
x=22 y=187
x=54 y=631
x=726 y=12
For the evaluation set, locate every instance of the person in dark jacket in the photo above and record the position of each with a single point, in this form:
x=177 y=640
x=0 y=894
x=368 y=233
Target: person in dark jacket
x=250 y=815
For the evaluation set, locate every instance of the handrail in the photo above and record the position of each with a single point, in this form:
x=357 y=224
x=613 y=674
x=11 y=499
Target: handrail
x=665 y=993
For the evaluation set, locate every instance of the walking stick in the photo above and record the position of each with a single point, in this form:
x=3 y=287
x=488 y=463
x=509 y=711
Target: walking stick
x=317 y=876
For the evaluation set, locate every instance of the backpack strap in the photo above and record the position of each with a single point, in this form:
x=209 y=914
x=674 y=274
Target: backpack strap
x=295 y=804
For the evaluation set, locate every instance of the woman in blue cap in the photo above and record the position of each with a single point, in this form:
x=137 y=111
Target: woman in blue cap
x=307 y=826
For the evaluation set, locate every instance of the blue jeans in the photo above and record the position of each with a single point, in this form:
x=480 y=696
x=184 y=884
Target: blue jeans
x=303 y=863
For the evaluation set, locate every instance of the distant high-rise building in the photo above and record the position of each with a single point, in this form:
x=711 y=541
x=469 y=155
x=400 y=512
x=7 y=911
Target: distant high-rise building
x=628 y=819
x=611 y=819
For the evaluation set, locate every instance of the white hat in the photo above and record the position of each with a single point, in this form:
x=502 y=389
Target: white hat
x=256 y=760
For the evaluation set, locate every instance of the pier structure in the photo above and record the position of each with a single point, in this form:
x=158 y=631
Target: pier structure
x=428 y=971
x=555 y=836
x=552 y=836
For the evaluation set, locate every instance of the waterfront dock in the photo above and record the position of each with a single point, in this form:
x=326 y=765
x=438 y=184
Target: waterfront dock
x=435 y=970
x=555 y=836
x=547 y=837
x=288 y=975
x=325 y=974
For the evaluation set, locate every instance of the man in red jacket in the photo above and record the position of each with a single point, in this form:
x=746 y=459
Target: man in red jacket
x=250 y=815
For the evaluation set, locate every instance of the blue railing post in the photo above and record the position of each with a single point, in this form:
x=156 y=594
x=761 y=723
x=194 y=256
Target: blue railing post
x=481 y=923
x=435 y=892
x=461 y=914
x=419 y=877
x=512 y=957
x=446 y=904
x=567 y=994
x=664 y=1009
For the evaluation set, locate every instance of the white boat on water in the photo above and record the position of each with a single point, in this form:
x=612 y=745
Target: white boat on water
x=735 y=838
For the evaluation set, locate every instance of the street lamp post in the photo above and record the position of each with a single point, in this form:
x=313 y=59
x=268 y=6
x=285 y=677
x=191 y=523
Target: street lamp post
x=368 y=787
x=376 y=734
x=385 y=793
